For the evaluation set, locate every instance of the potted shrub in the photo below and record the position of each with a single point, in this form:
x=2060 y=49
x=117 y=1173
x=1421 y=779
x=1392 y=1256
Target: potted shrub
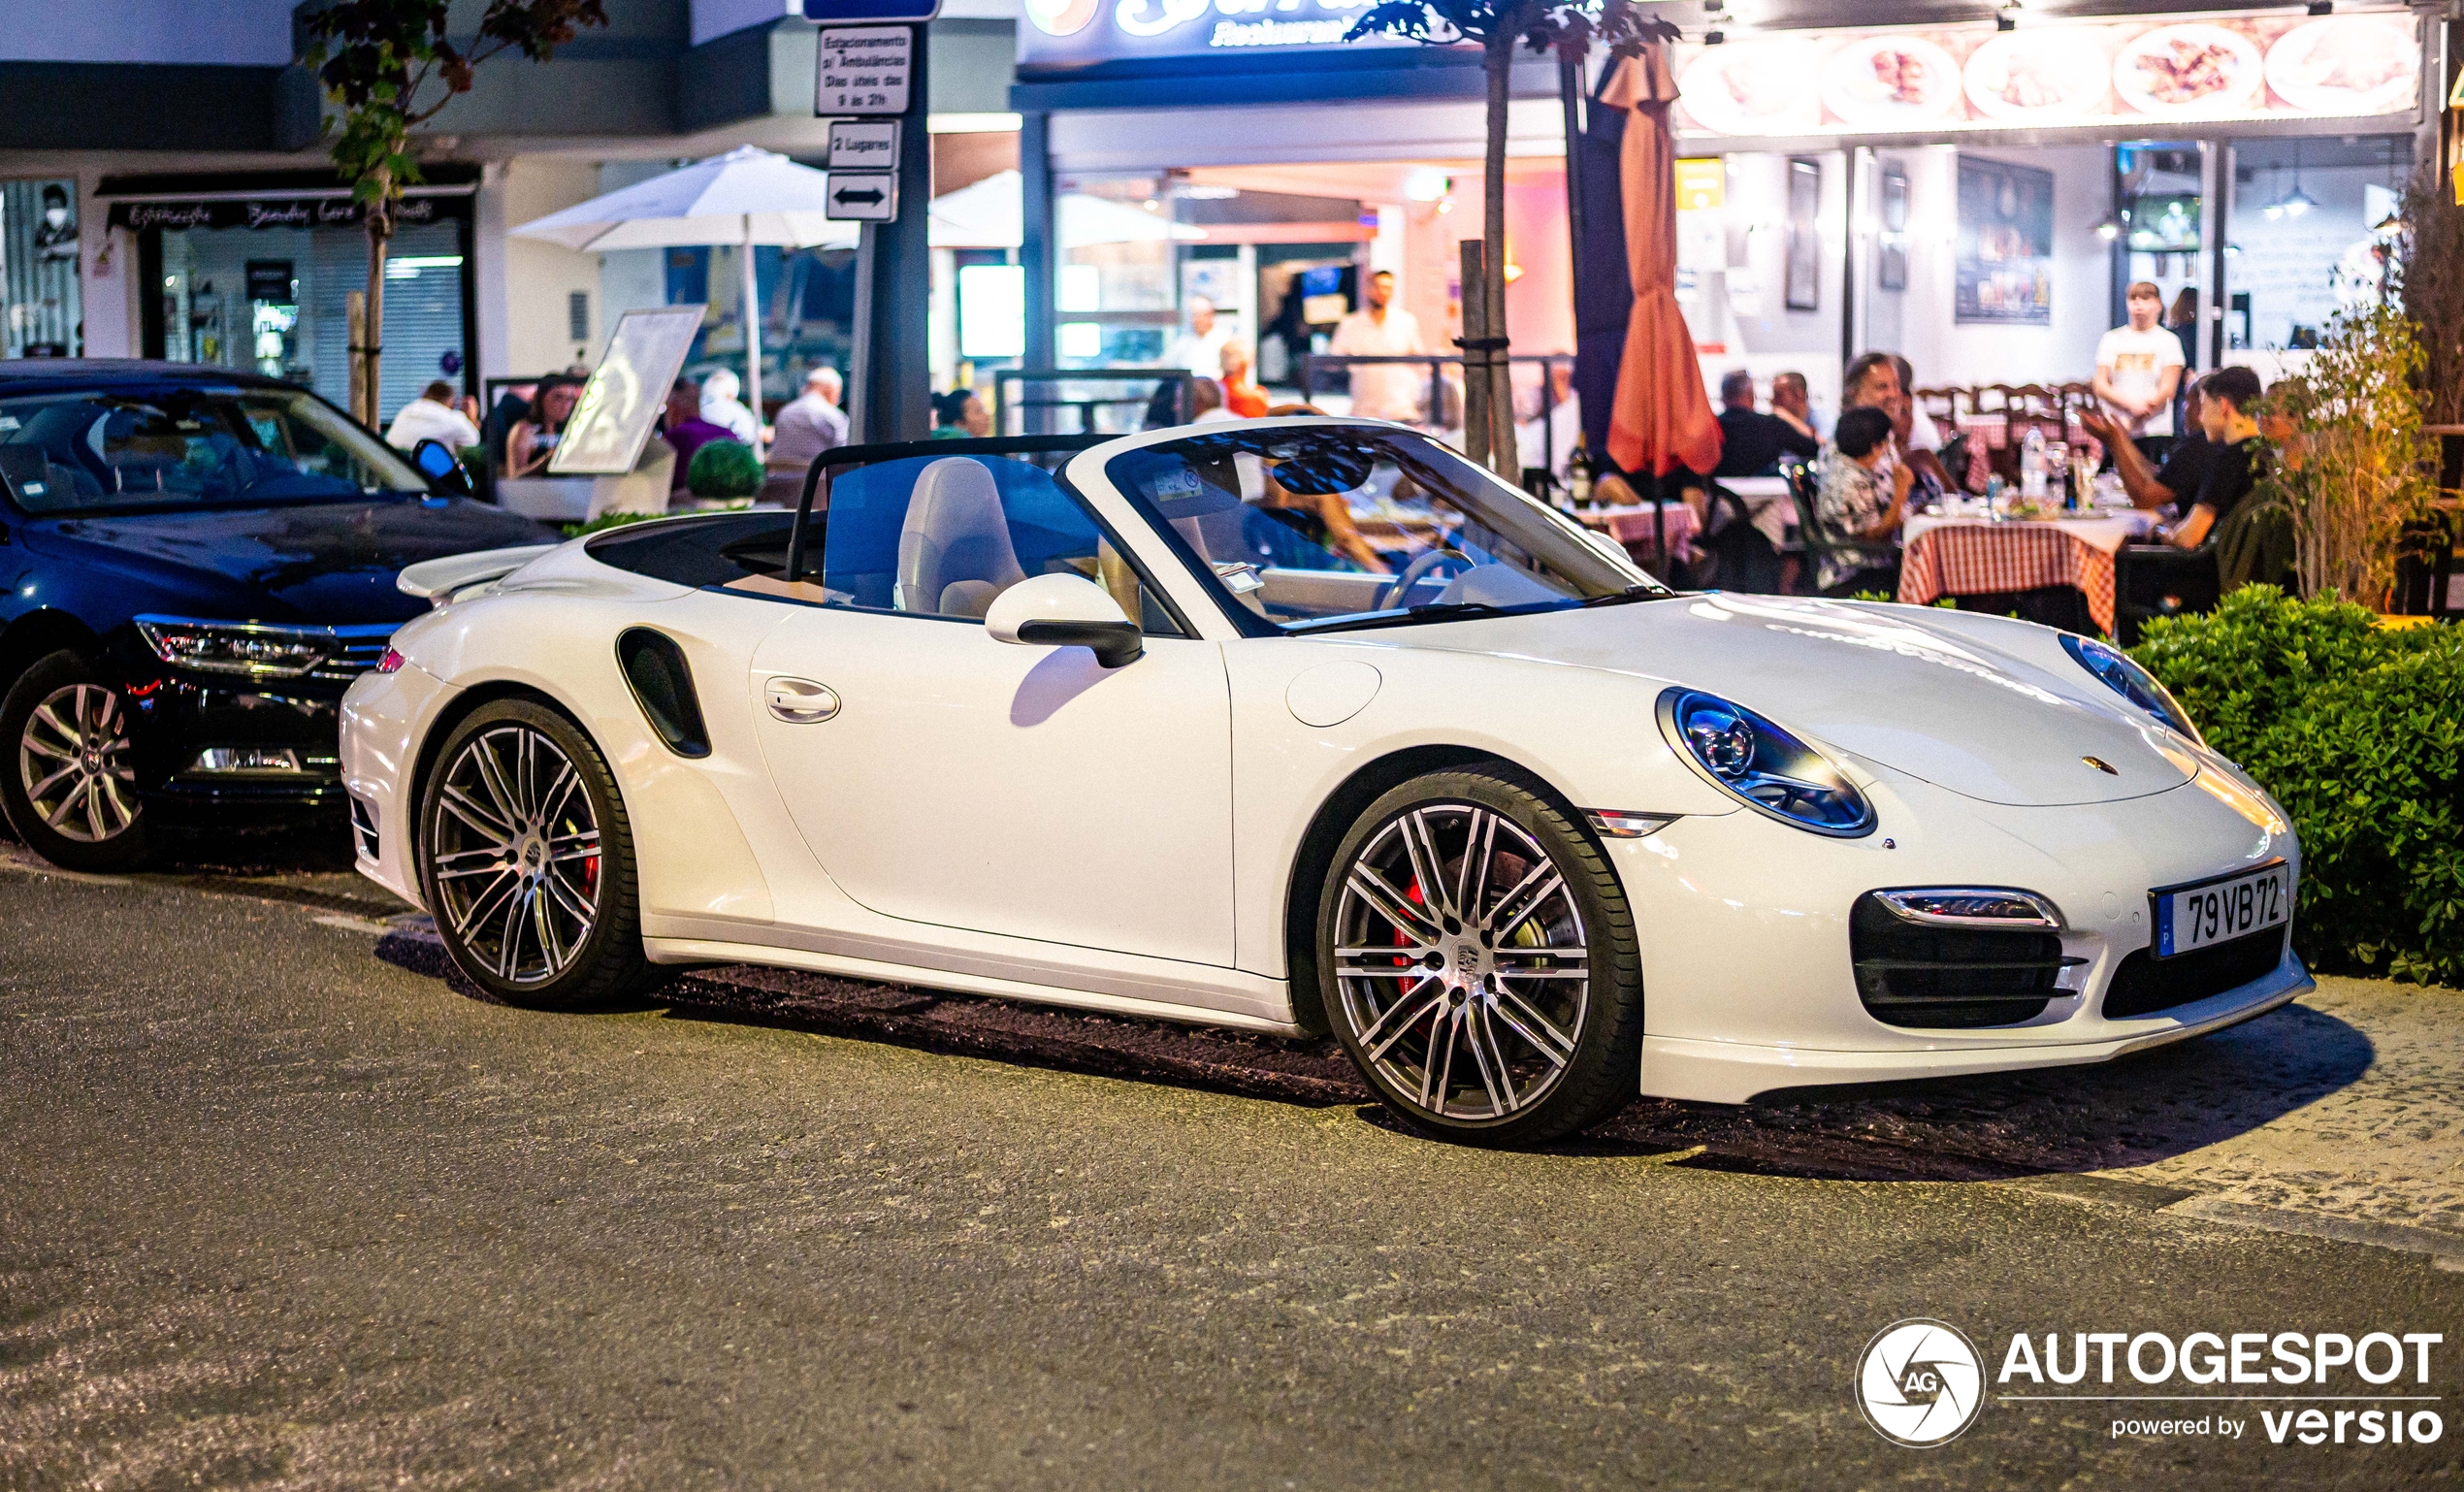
x=724 y=472
x=2356 y=469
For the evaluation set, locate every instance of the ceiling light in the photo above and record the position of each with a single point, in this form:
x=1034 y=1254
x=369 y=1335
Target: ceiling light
x=2109 y=227
x=2297 y=204
x=1426 y=184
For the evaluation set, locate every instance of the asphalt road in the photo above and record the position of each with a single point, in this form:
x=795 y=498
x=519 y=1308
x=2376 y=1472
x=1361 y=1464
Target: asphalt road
x=276 y=1213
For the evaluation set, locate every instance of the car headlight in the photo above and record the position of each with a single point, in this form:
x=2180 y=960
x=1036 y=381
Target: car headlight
x=235 y=647
x=2114 y=669
x=1763 y=764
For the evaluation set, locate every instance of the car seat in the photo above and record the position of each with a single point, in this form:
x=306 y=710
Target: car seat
x=955 y=553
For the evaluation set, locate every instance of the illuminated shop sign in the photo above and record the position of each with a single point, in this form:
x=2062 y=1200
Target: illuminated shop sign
x=1094 y=30
x=2133 y=74
x=278 y=212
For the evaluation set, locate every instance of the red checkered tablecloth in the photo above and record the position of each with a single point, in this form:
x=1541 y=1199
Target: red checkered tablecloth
x=1985 y=558
x=1633 y=527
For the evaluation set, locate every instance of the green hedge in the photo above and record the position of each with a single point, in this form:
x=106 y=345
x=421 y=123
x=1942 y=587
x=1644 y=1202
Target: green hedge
x=2358 y=730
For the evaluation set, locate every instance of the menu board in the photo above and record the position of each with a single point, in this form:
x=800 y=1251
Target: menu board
x=2053 y=75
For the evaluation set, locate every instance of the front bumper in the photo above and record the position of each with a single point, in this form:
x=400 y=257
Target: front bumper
x=1736 y=1072
x=179 y=716
x=1748 y=973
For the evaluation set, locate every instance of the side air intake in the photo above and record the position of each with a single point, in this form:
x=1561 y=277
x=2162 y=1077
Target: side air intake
x=663 y=686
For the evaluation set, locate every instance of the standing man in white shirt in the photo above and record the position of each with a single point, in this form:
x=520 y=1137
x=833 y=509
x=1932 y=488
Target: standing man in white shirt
x=1200 y=349
x=1382 y=391
x=2138 y=369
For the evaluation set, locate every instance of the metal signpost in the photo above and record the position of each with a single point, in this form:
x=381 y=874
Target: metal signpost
x=872 y=82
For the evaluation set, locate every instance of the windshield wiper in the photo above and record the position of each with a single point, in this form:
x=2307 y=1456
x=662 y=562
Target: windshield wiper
x=1630 y=593
x=1449 y=611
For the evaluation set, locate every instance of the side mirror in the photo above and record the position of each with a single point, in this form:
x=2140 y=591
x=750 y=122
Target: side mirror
x=1065 y=611
x=443 y=470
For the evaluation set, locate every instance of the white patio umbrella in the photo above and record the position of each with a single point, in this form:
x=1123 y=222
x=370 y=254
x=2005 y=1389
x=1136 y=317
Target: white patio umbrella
x=990 y=214
x=746 y=197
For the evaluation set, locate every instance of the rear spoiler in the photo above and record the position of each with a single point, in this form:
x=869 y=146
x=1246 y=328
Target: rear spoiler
x=434 y=582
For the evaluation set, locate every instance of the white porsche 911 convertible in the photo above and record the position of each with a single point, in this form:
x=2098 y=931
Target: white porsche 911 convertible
x=1308 y=723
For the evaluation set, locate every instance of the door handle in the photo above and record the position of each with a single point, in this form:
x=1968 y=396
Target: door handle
x=801 y=701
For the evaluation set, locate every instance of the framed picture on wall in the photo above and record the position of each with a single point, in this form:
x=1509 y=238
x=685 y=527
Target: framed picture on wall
x=1890 y=261
x=2006 y=243
x=1803 y=289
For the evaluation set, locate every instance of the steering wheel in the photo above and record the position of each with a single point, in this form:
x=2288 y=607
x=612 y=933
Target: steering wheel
x=1415 y=572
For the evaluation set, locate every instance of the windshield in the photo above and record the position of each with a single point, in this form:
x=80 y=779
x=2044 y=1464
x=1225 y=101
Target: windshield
x=187 y=447
x=1311 y=527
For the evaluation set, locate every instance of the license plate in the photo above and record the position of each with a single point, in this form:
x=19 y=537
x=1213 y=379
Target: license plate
x=2190 y=918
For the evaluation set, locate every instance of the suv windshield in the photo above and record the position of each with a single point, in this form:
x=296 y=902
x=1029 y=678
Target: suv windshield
x=1316 y=528
x=188 y=446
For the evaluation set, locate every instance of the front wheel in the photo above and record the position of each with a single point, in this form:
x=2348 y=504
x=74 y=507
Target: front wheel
x=1479 y=963
x=528 y=863
x=68 y=782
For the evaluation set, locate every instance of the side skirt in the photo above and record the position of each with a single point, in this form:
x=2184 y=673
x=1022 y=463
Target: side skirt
x=708 y=951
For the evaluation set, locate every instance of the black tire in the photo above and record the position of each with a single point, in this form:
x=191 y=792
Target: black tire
x=505 y=863
x=1500 y=988
x=67 y=778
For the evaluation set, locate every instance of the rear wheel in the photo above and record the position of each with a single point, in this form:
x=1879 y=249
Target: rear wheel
x=68 y=782
x=1480 y=963
x=527 y=860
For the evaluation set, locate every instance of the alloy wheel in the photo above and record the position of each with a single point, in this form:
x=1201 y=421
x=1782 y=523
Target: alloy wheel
x=1462 y=962
x=73 y=758
x=515 y=848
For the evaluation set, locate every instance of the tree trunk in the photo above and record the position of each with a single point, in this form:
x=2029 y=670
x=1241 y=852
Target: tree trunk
x=1473 y=277
x=369 y=337
x=1497 y=58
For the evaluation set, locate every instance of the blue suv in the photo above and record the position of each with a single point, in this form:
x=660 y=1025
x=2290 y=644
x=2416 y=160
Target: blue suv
x=197 y=564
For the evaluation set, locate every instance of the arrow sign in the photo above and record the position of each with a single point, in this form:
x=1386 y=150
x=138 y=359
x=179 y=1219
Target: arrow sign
x=862 y=196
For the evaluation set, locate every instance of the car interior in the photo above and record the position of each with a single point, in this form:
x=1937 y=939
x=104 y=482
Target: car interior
x=926 y=535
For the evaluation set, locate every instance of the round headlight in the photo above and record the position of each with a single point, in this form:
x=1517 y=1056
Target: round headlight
x=2115 y=669
x=1761 y=763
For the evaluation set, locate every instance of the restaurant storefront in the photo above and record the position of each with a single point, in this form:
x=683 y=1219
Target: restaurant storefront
x=1247 y=157
x=253 y=274
x=1977 y=196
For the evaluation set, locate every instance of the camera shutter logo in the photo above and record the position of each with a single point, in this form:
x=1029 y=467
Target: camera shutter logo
x=1920 y=1383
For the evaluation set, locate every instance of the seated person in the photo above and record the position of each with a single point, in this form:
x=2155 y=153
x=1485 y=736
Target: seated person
x=1241 y=395
x=685 y=430
x=959 y=415
x=2228 y=399
x=2168 y=489
x=1853 y=504
x=1751 y=444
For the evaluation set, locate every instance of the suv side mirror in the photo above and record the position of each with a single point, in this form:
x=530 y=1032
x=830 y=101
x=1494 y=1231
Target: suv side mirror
x=1066 y=611
x=443 y=470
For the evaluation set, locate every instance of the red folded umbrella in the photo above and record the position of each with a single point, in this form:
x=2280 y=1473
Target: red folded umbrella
x=1661 y=418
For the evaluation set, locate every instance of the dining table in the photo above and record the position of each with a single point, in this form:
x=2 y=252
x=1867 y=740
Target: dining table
x=1970 y=552
x=1641 y=530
